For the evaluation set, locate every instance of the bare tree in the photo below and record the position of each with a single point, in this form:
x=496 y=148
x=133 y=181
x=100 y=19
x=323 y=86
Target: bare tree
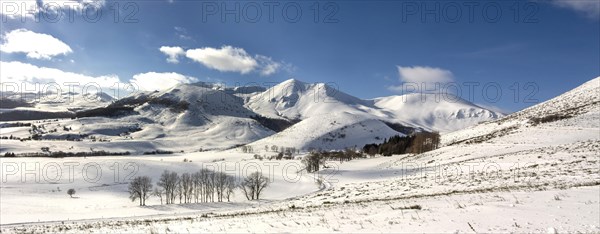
x=168 y=181
x=254 y=184
x=186 y=187
x=247 y=189
x=159 y=193
x=139 y=188
x=71 y=192
x=179 y=189
x=313 y=161
x=230 y=188
x=174 y=180
x=220 y=185
x=198 y=186
x=205 y=180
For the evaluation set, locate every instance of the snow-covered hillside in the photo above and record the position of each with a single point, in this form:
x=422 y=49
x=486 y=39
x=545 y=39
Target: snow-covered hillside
x=27 y=106
x=581 y=102
x=331 y=131
x=204 y=116
x=70 y=101
x=331 y=119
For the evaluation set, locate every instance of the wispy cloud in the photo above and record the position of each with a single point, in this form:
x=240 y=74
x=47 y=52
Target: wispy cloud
x=589 y=8
x=182 y=33
x=418 y=74
x=422 y=76
x=267 y=66
x=76 y=5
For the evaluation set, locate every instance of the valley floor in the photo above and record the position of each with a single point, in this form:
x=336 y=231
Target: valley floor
x=364 y=195
x=552 y=211
x=543 y=178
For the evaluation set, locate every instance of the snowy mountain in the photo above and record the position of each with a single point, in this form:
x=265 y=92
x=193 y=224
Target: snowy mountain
x=331 y=119
x=32 y=106
x=435 y=113
x=207 y=116
x=293 y=99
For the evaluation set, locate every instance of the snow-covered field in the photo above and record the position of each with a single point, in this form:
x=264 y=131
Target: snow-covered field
x=101 y=184
x=509 y=184
x=509 y=175
x=551 y=211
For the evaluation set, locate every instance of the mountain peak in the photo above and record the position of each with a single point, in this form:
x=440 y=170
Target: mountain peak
x=292 y=82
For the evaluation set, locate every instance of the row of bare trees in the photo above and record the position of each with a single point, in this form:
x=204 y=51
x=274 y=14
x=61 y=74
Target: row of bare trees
x=202 y=186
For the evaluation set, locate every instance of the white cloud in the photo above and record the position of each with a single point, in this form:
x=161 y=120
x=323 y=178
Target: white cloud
x=418 y=74
x=151 y=81
x=422 y=77
x=172 y=53
x=225 y=59
x=590 y=8
x=28 y=74
x=35 y=45
x=228 y=59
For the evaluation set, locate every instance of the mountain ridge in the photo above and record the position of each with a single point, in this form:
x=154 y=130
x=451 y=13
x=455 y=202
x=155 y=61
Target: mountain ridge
x=291 y=114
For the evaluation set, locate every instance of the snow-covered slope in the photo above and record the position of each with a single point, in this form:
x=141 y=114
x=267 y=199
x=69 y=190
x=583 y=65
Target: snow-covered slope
x=581 y=102
x=435 y=113
x=337 y=130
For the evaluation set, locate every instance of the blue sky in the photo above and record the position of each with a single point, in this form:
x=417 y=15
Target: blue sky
x=368 y=48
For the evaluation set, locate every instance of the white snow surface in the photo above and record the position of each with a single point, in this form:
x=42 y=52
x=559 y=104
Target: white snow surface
x=499 y=177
